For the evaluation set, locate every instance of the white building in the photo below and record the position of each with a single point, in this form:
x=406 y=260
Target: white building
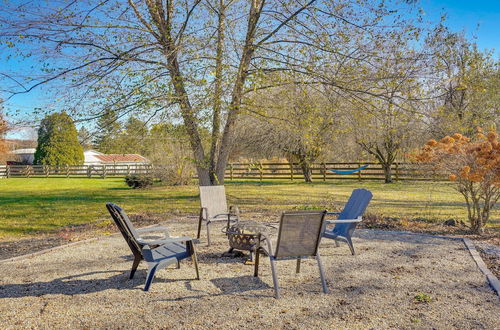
x=25 y=156
x=92 y=157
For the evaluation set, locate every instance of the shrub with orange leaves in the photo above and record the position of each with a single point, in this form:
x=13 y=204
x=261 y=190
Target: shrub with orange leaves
x=474 y=165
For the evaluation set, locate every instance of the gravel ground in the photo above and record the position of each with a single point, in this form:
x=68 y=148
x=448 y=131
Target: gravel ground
x=87 y=286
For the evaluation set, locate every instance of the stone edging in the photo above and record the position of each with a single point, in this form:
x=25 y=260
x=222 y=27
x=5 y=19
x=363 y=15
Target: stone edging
x=494 y=282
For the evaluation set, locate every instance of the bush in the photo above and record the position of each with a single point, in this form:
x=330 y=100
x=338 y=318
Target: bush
x=139 y=181
x=176 y=175
x=474 y=166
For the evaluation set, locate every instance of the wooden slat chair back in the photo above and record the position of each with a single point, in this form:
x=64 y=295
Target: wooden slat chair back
x=353 y=211
x=157 y=253
x=126 y=228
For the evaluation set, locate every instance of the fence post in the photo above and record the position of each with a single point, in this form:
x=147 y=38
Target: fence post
x=28 y=171
x=128 y=170
x=7 y=171
x=291 y=171
x=67 y=171
x=359 y=172
x=397 y=172
x=324 y=171
x=104 y=171
x=231 y=171
x=261 y=170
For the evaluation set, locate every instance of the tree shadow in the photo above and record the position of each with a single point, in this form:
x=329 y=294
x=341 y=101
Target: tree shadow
x=80 y=284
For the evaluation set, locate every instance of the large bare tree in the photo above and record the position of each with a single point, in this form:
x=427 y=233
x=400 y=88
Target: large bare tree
x=196 y=59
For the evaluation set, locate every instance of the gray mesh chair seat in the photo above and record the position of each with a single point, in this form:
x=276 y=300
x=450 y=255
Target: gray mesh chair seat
x=348 y=219
x=299 y=235
x=214 y=209
x=158 y=254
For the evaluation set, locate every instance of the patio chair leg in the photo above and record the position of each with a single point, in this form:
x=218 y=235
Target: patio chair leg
x=150 y=276
x=275 y=278
x=321 y=274
x=194 y=257
x=256 y=268
x=137 y=260
x=337 y=244
x=199 y=228
x=349 y=242
x=178 y=264
x=297 y=269
x=208 y=234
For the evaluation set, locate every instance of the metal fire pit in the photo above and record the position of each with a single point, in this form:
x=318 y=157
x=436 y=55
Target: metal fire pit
x=244 y=236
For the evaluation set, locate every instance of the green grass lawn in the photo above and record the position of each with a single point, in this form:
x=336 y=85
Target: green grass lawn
x=31 y=205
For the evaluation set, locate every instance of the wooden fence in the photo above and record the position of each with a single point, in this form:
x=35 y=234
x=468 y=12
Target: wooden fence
x=321 y=171
x=236 y=171
x=72 y=171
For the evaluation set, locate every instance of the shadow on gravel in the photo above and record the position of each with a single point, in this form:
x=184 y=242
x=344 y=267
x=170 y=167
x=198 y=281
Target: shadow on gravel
x=242 y=286
x=81 y=284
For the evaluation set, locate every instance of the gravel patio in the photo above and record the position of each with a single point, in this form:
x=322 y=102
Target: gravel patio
x=87 y=286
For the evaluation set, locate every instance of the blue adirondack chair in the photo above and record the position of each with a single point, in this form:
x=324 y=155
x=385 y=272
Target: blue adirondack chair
x=157 y=253
x=349 y=218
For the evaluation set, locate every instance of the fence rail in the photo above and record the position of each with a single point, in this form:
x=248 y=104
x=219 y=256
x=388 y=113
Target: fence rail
x=72 y=171
x=235 y=171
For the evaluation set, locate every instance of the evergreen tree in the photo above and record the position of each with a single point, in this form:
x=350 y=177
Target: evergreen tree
x=108 y=131
x=84 y=138
x=58 y=142
x=134 y=137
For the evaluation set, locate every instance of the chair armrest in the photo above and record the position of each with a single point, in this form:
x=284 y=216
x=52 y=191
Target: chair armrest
x=153 y=229
x=269 y=249
x=203 y=213
x=329 y=222
x=165 y=241
x=332 y=213
x=235 y=210
x=220 y=215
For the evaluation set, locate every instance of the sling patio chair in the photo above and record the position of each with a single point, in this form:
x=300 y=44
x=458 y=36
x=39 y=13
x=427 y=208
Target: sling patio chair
x=157 y=253
x=299 y=235
x=349 y=218
x=214 y=208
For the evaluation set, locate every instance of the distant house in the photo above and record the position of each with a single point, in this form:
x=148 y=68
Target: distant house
x=92 y=157
x=24 y=156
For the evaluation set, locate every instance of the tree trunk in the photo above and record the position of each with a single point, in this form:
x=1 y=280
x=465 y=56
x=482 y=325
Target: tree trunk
x=306 y=170
x=237 y=92
x=387 y=172
x=214 y=146
x=477 y=226
x=305 y=165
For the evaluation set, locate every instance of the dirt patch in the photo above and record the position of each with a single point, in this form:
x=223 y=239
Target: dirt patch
x=70 y=234
x=491 y=260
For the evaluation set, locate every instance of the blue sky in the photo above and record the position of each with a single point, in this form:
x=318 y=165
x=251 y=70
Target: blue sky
x=466 y=15
x=479 y=18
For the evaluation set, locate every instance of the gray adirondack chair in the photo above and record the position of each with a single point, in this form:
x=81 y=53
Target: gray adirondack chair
x=299 y=236
x=349 y=218
x=157 y=253
x=214 y=208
